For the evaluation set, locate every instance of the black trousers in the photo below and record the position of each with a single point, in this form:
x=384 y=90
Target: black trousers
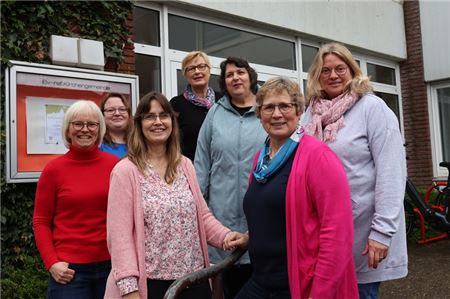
x=156 y=289
x=235 y=278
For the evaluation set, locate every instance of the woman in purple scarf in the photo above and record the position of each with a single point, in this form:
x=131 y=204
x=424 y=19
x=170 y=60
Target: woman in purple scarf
x=193 y=104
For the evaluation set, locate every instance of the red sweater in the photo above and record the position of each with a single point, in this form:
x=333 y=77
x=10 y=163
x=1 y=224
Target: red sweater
x=70 y=207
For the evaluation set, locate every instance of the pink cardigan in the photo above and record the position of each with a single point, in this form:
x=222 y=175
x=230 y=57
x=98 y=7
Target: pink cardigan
x=319 y=225
x=125 y=225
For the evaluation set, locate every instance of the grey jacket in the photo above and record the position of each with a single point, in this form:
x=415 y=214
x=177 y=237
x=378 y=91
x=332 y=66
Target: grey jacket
x=226 y=145
x=371 y=148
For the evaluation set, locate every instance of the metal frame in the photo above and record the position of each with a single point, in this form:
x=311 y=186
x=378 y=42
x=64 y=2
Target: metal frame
x=202 y=275
x=18 y=67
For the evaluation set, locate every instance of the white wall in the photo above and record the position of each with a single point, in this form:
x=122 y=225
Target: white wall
x=435 y=24
x=375 y=25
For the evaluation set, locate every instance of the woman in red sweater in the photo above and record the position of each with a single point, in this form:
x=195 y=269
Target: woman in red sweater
x=70 y=208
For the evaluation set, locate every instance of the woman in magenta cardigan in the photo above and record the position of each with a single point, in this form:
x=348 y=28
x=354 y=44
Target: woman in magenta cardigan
x=158 y=222
x=298 y=208
x=69 y=217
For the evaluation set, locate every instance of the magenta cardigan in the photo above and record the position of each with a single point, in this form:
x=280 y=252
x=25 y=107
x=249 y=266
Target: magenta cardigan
x=125 y=225
x=319 y=225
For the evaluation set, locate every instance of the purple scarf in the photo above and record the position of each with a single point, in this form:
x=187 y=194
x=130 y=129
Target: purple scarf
x=207 y=101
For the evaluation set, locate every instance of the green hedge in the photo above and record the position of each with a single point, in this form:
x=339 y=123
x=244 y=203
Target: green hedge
x=25 y=280
x=26 y=27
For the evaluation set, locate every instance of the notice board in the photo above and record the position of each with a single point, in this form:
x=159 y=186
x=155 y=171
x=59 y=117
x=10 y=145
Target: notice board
x=37 y=97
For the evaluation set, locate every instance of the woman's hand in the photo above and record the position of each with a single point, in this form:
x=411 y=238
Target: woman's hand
x=233 y=239
x=132 y=295
x=376 y=252
x=61 y=273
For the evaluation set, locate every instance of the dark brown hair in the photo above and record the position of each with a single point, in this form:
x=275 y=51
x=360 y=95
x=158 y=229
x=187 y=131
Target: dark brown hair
x=239 y=62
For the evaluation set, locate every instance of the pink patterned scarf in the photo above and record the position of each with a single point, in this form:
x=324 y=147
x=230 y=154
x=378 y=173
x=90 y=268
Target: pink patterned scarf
x=327 y=116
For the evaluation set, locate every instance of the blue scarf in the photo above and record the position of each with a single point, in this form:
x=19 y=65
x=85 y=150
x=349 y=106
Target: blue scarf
x=265 y=167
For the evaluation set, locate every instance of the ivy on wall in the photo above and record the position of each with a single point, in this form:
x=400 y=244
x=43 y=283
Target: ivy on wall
x=26 y=28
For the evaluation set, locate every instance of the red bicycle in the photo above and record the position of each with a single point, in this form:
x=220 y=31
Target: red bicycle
x=436 y=213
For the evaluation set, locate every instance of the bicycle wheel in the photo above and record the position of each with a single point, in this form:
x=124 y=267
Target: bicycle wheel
x=438 y=195
x=410 y=218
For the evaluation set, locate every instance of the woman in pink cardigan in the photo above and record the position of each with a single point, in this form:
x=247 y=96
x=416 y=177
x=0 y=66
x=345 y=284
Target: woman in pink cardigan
x=298 y=208
x=158 y=224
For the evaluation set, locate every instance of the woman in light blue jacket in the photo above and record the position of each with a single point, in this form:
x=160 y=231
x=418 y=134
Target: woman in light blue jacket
x=228 y=140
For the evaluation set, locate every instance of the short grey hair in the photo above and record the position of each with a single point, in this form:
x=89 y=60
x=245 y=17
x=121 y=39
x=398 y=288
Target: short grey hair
x=82 y=107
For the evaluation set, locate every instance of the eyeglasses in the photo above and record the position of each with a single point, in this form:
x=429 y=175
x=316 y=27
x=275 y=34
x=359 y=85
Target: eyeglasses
x=79 y=125
x=151 y=117
x=339 y=70
x=191 y=69
x=110 y=111
x=284 y=108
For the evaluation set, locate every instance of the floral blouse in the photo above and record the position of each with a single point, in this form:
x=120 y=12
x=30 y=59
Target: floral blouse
x=172 y=241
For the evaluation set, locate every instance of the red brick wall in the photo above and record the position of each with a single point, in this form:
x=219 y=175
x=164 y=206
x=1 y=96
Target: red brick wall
x=414 y=98
x=127 y=65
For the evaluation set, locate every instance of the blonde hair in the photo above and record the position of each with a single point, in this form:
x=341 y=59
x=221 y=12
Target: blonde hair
x=137 y=145
x=359 y=84
x=277 y=85
x=78 y=108
x=191 y=56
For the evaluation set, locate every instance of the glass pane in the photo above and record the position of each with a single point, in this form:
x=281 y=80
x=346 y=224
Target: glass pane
x=181 y=82
x=308 y=54
x=148 y=68
x=189 y=35
x=146 y=26
x=392 y=102
x=444 y=120
x=381 y=74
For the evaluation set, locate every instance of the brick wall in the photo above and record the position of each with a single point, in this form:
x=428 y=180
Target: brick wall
x=127 y=65
x=414 y=94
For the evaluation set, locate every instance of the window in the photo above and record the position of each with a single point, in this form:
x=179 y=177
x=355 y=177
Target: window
x=384 y=76
x=164 y=34
x=443 y=97
x=148 y=68
x=146 y=26
x=308 y=54
x=440 y=125
x=381 y=74
x=147 y=39
x=391 y=100
x=187 y=35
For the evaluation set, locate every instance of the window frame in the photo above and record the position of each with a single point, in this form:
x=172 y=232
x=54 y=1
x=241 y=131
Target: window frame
x=171 y=59
x=435 y=129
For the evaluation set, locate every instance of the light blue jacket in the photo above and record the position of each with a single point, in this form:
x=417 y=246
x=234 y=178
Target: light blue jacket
x=226 y=146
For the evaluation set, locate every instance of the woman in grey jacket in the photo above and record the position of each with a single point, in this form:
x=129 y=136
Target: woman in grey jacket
x=228 y=139
x=360 y=128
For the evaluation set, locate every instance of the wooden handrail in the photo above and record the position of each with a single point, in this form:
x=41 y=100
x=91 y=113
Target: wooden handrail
x=202 y=275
